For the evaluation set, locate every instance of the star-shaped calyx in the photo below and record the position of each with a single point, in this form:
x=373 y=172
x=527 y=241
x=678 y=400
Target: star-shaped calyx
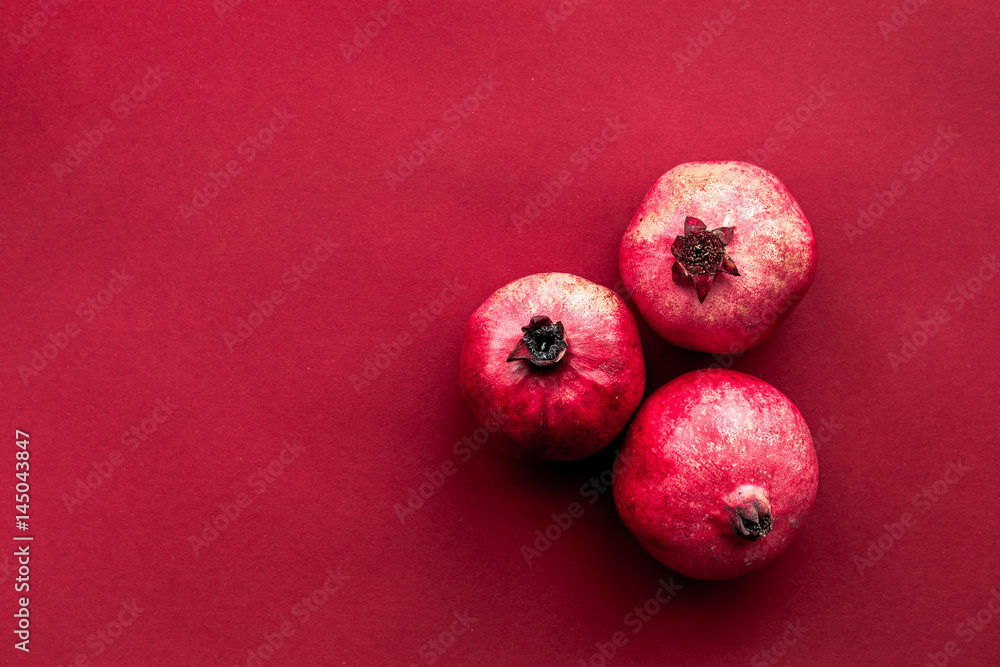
x=701 y=254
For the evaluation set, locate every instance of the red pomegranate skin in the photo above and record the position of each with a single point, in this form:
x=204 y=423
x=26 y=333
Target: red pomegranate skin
x=772 y=247
x=703 y=450
x=568 y=410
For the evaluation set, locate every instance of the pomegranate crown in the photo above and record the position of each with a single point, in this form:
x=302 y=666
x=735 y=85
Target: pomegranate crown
x=700 y=254
x=543 y=343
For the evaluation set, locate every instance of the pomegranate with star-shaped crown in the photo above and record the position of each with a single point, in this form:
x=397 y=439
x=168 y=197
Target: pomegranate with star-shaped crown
x=717 y=256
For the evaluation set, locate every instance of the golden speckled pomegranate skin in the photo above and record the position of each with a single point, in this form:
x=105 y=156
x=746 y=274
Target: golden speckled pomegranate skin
x=773 y=247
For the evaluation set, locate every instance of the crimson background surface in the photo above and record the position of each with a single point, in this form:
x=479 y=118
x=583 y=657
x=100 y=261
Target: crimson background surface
x=887 y=427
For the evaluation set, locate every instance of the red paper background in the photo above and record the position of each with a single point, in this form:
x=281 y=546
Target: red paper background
x=886 y=431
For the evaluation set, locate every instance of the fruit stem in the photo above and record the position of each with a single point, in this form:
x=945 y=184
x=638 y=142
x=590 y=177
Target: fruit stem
x=543 y=343
x=749 y=510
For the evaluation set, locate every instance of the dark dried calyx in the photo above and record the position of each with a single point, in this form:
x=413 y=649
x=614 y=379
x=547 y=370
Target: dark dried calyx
x=543 y=343
x=754 y=530
x=700 y=254
x=749 y=510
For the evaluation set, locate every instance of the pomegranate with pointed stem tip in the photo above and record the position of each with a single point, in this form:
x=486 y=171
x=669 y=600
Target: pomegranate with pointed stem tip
x=717 y=474
x=559 y=358
x=717 y=256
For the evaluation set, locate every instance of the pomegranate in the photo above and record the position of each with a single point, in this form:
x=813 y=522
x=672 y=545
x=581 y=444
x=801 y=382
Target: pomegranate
x=717 y=256
x=717 y=474
x=560 y=358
